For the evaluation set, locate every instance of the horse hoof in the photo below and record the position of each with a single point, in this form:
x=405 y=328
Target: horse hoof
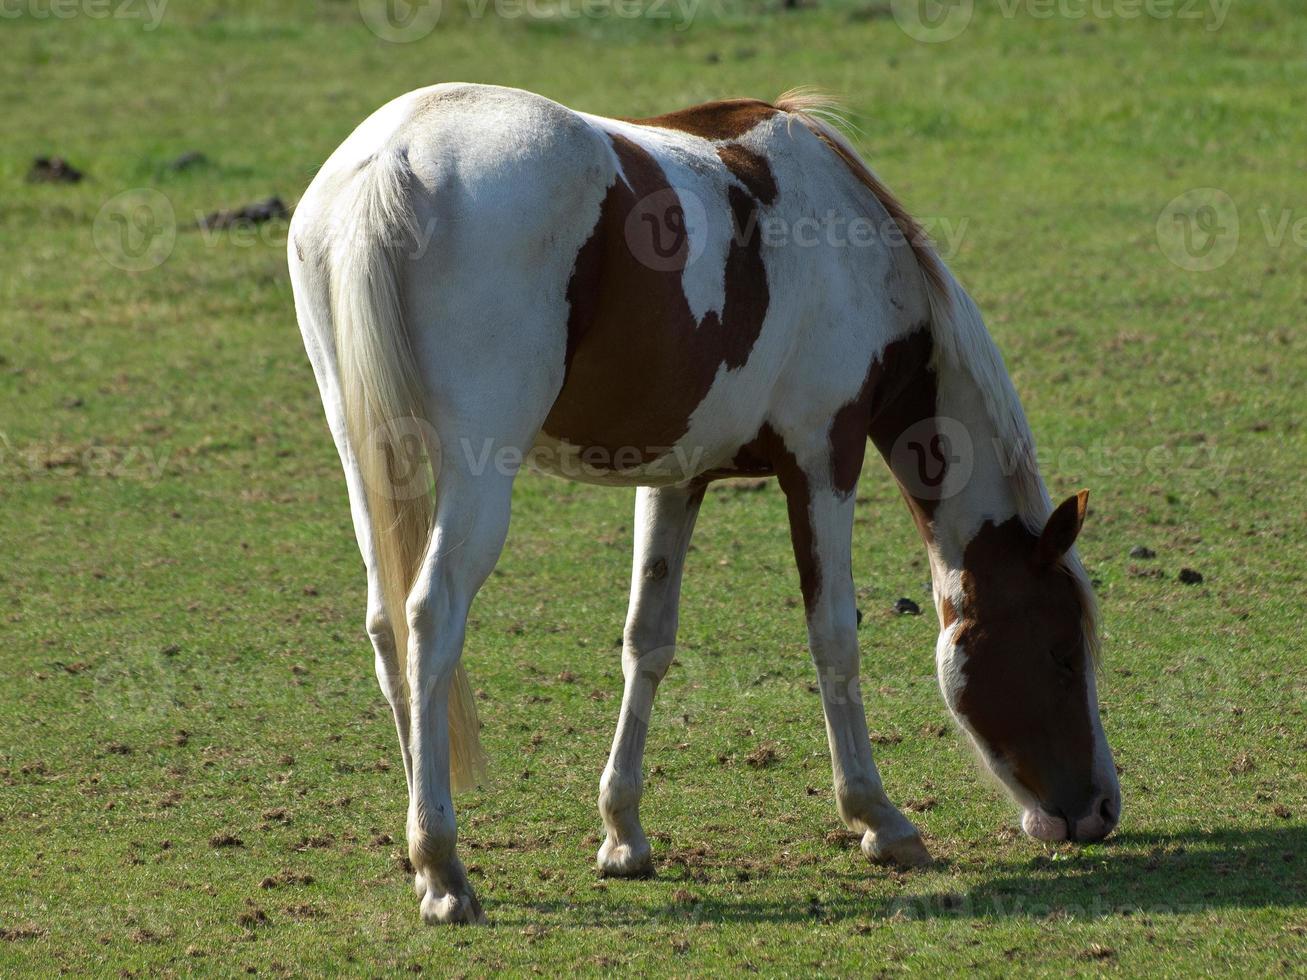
x=905 y=852
x=625 y=860
x=452 y=909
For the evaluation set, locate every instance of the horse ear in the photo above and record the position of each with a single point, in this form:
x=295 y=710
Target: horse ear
x=1063 y=527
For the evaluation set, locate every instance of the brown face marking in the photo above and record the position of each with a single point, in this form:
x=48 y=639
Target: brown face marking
x=639 y=362
x=1025 y=686
x=723 y=120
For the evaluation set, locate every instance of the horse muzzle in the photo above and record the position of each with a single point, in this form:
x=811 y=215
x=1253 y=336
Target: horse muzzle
x=1093 y=825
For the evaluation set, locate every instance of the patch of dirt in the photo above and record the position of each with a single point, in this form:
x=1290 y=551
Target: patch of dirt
x=303 y=910
x=225 y=840
x=252 y=917
x=249 y=214
x=286 y=876
x=24 y=930
x=170 y=799
x=763 y=756
x=315 y=841
x=844 y=839
x=53 y=170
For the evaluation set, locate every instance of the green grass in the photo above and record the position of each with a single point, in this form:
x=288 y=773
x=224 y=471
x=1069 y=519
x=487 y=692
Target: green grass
x=182 y=602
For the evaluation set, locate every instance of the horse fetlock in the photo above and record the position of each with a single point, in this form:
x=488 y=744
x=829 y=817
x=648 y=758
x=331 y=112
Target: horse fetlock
x=619 y=798
x=430 y=843
x=862 y=803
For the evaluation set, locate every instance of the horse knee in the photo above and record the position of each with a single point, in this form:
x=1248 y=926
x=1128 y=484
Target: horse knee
x=647 y=651
x=377 y=625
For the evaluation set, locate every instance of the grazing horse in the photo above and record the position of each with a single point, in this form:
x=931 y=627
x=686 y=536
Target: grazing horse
x=484 y=277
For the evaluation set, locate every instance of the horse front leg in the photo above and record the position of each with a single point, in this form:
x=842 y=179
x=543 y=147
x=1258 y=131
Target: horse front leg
x=821 y=525
x=470 y=527
x=664 y=521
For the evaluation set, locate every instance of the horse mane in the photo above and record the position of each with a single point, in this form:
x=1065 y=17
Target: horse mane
x=960 y=336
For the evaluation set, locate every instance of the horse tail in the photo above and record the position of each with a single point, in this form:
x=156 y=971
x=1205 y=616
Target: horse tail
x=385 y=413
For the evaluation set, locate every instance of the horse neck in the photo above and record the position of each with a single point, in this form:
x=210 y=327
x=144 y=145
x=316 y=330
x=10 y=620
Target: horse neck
x=992 y=476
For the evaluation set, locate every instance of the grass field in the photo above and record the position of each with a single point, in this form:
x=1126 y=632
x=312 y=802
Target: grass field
x=181 y=599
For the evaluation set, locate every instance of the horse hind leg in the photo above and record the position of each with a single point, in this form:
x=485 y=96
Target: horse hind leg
x=821 y=525
x=664 y=521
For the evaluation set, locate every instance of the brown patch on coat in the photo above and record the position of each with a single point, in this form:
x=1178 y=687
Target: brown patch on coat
x=639 y=362
x=902 y=392
x=848 y=433
x=581 y=293
x=1025 y=692
x=899 y=391
x=722 y=120
x=948 y=614
x=765 y=455
x=750 y=169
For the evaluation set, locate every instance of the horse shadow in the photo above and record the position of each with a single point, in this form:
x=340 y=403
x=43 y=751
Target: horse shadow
x=1129 y=874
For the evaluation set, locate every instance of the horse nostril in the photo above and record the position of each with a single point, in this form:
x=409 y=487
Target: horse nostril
x=1107 y=812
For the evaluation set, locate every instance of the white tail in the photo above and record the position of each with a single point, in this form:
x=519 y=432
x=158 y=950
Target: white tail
x=384 y=411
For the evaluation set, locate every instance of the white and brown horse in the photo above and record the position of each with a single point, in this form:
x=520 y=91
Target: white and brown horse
x=486 y=276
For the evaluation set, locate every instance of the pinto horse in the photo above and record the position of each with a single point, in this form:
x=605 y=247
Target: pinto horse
x=483 y=276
